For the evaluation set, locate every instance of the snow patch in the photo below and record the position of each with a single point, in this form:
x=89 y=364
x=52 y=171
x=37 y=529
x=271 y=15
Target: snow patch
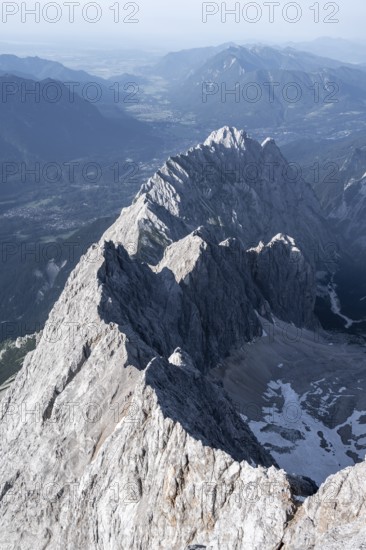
x=299 y=442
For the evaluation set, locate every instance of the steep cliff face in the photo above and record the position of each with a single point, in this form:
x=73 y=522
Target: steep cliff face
x=343 y=198
x=347 y=212
x=285 y=279
x=114 y=434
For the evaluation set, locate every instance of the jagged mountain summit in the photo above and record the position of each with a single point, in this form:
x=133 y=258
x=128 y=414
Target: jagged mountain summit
x=233 y=186
x=114 y=433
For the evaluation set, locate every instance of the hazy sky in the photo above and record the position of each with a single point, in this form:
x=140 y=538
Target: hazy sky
x=179 y=23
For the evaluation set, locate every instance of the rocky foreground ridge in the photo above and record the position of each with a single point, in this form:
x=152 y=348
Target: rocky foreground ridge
x=113 y=434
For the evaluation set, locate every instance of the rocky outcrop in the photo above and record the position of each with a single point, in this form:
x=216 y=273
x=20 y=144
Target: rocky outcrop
x=334 y=517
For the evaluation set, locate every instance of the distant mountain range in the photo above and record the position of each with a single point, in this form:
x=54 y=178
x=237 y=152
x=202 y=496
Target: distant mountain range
x=284 y=91
x=176 y=66
x=281 y=91
x=37 y=68
x=253 y=57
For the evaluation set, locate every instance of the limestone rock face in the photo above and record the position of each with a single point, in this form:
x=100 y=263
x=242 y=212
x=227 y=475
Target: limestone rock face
x=169 y=465
x=333 y=518
x=114 y=435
